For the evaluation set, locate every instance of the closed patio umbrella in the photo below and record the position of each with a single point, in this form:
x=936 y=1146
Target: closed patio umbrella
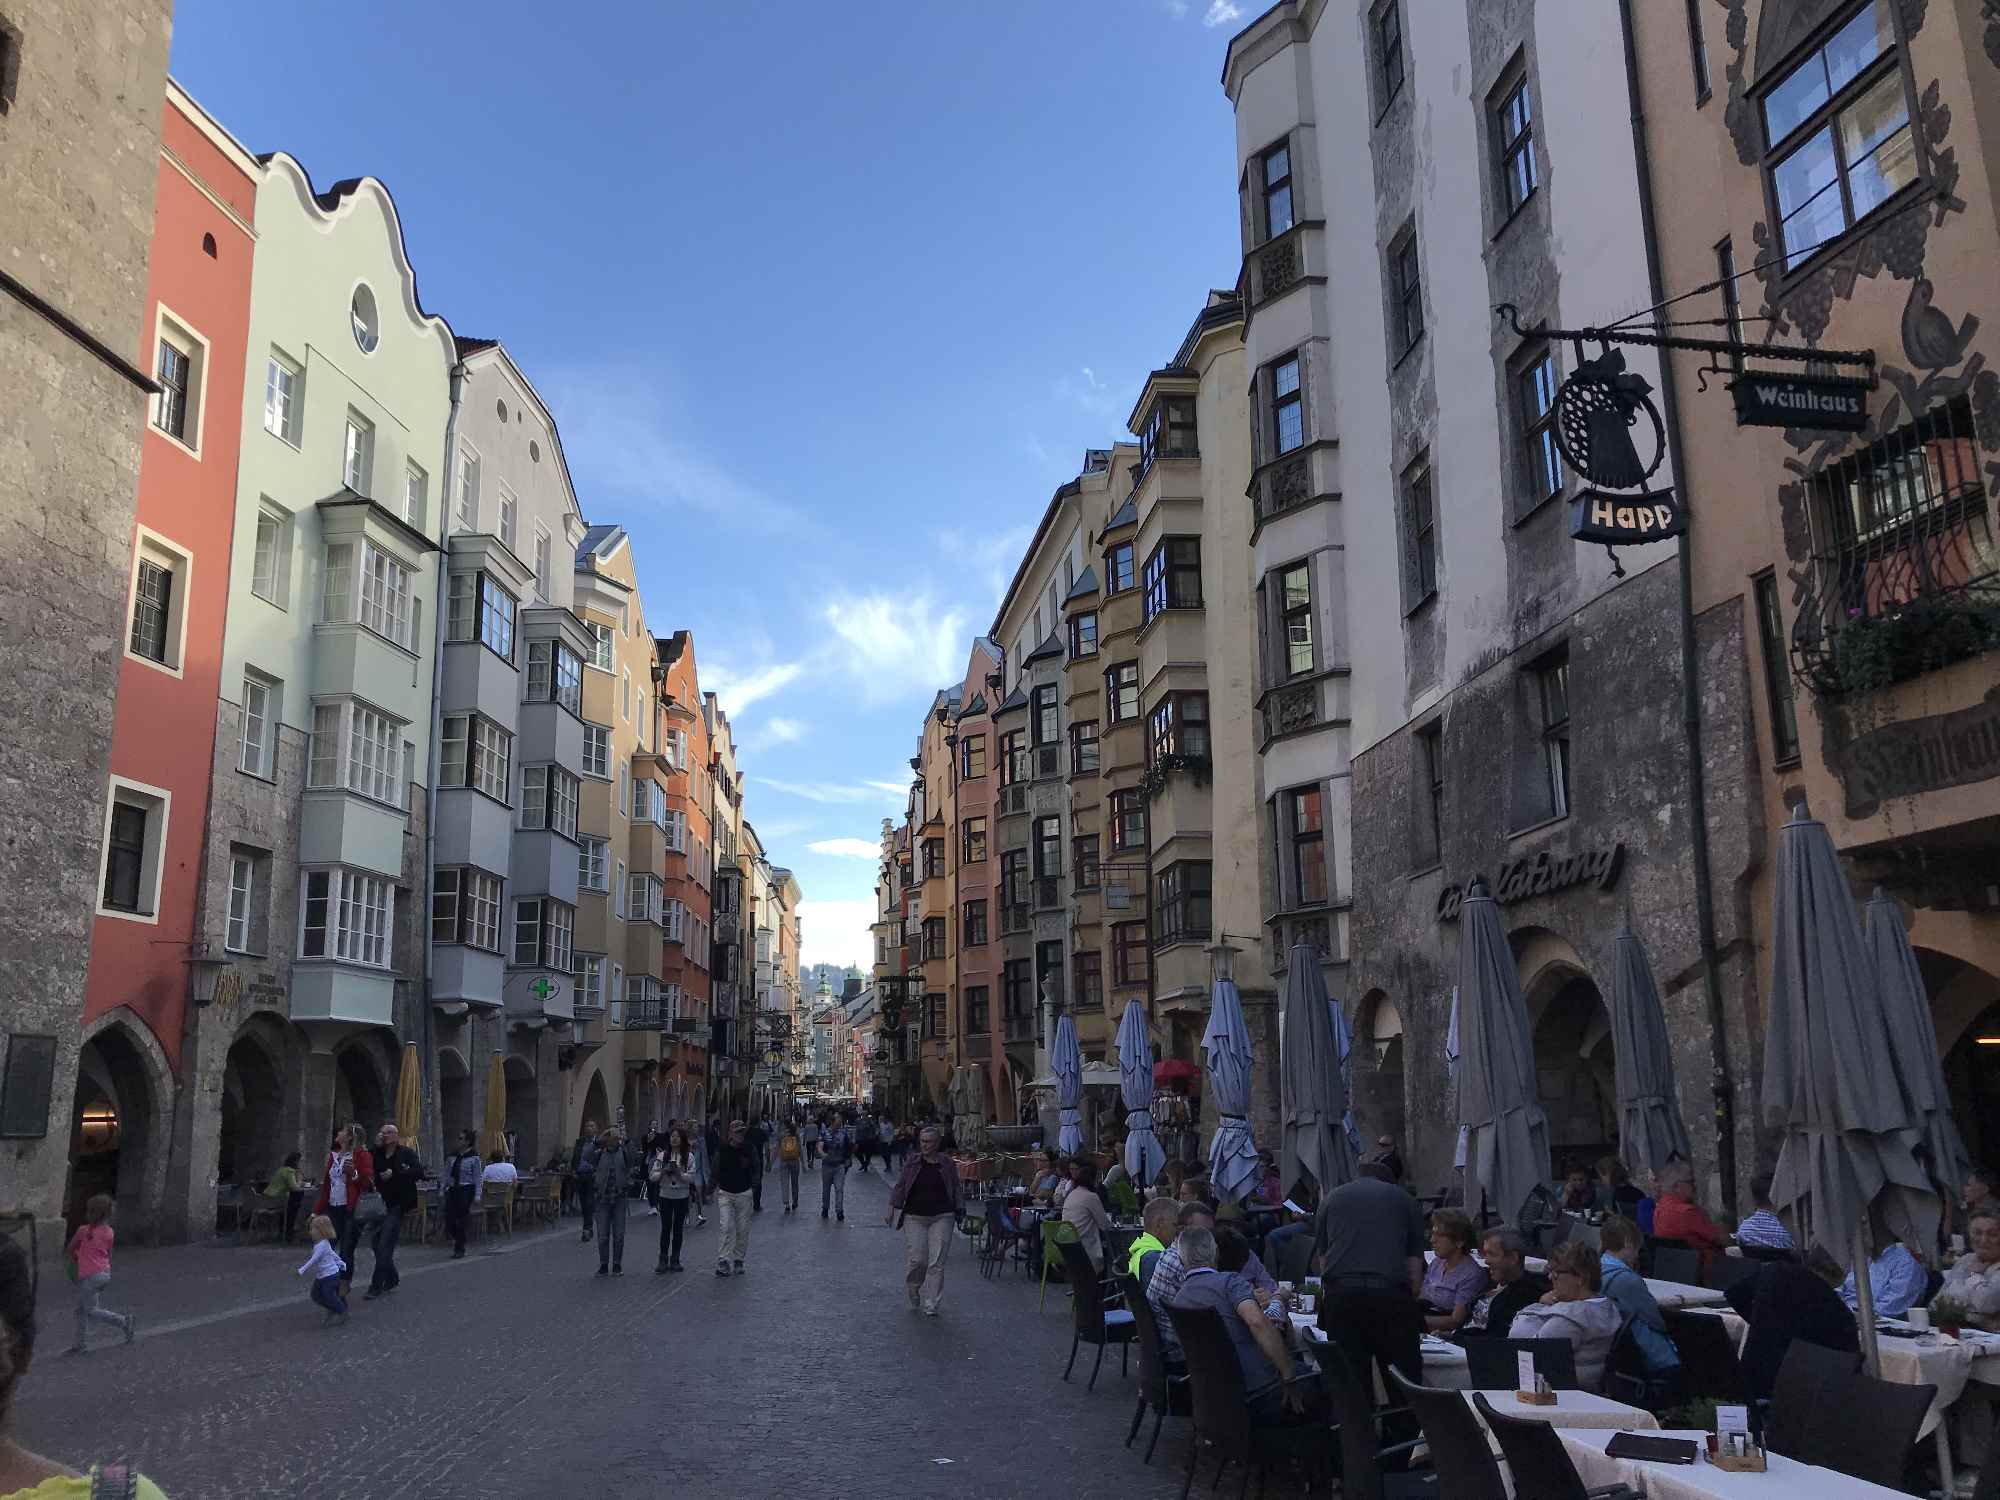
x=1650 y=1128
x=1312 y=1094
x=1451 y=1075
x=1066 y=1064
x=1144 y=1155
x=1232 y=1156
x=1506 y=1133
x=1912 y=1032
x=410 y=1099
x=494 y=1137
x=1343 y=1047
x=1846 y=1167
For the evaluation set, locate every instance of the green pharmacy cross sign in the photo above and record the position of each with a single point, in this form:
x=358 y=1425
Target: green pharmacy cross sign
x=541 y=989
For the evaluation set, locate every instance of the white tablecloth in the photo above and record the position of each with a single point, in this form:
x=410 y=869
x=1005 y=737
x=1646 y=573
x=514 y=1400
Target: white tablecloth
x=1680 y=1294
x=1573 y=1409
x=1703 y=1481
x=1444 y=1363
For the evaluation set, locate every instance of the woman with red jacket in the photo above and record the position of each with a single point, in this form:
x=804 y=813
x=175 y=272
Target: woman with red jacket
x=350 y=1173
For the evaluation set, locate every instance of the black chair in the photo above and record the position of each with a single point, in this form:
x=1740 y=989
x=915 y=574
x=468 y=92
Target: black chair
x=1294 y=1259
x=1988 y=1487
x=1709 y=1363
x=1676 y=1263
x=1159 y=1388
x=1540 y=1465
x=1000 y=1239
x=1464 y=1461
x=1866 y=1427
x=1492 y=1367
x=1726 y=1270
x=1804 y=1375
x=1362 y=1451
x=1099 y=1320
x=1222 y=1416
x=1628 y=1378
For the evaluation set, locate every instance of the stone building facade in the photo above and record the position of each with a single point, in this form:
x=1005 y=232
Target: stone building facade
x=80 y=96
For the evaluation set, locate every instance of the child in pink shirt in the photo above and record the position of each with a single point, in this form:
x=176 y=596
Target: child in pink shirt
x=90 y=1250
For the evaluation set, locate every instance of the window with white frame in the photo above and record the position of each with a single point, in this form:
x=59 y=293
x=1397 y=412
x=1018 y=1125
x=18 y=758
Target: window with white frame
x=357 y=464
x=555 y=675
x=263 y=702
x=597 y=750
x=416 y=495
x=465 y=502
x=646 y=899
x=674 y=745
x=479 y=609
x=601 y=637
x=378 y=596
x=510 y=510
x=544 y=563
x=544 y=929
x=625 y=697
x=618 y=892
x=592 y=862
x=271 y=561
x=549 y=799
x=590 y=981
x=465 y=908
x=356 y=747
x=475 y=752
x=284 y=398
x=160 y=574
x=624 y=794
x=675 y=922
x=676 y=825
x=246 y=926
x=180 y=370
x=344 y=915
x=134 y=856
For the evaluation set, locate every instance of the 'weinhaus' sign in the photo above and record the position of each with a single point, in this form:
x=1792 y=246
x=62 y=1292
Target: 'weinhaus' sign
x=1812 y=401
x=1542 y=875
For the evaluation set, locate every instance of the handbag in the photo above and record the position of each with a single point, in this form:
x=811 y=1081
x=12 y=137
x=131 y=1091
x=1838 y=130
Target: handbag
x=370 y=1207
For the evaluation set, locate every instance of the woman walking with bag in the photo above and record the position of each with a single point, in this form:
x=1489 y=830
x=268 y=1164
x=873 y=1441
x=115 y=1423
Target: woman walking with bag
x=349 y=1176
x=674 y=1184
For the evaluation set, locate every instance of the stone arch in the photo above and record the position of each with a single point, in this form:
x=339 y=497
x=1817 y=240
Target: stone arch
x=1569 y=1018
x=254 y=1139
x=596 y=1103
x=455 y=1091
x=121 y=1121
x=518 y=1075
x=1379 y=1064
x=1965 y=1006
x=364 y=1085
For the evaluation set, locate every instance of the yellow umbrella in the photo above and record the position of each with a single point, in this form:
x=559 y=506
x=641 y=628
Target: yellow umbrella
x=410 y=1099
x=494 y=1137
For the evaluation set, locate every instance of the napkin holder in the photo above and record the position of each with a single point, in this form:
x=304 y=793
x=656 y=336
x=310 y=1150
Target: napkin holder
x=1747 y=1463
x=1535 y=1398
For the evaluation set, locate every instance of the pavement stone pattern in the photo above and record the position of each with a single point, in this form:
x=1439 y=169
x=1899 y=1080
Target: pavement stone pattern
x=522 y=1373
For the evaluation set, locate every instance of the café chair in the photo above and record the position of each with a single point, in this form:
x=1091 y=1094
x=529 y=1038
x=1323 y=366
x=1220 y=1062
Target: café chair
x=1222 y=1417
x=1865 y=1428
x=1055 y=1234
x=1491 y=1363
x=1628 y=1378
x=1098 y=1321
x=1673 y=1261
x=1001 y=1237
x=1804 y=1375
x=1535 y=1455
x=1166 y=1393
x=1358 y=1426
x=1710 y=1366
x=1460 y=1453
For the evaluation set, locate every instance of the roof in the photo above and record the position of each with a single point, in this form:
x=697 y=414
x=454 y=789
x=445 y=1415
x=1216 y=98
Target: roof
x=1128 y=515
x=1086 y=583
x=472 y=346
x=1016 y=699
x=976 y=706
x=1051 y=647
x=598 y=541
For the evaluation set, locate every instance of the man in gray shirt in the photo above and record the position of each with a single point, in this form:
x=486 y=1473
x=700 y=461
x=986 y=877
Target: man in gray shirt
x=1370 y=1238
x=1260 y=1351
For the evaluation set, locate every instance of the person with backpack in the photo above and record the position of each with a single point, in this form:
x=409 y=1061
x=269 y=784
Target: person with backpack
x=836 y=1148
x=789 y=1155
x=462 y=1176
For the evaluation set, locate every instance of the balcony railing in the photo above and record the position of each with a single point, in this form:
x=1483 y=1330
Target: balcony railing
x=1906 y=578
x=645 y=1015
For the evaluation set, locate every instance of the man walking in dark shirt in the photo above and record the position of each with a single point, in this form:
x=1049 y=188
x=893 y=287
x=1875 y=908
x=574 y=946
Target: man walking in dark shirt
x=1371 y=1238
x=735 y=1181
x=928 y=1196
x=396 y=1172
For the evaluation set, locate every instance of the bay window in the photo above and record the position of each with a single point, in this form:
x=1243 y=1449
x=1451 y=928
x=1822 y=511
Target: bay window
x=549 y=799
x=345 y=916
x=544 y=929
x=555 y=675
x=358 y=748
x=365 y=585
x=475 y=752
x=465 y=908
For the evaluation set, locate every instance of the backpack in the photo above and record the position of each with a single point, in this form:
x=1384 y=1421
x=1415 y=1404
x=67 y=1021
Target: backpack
x=788 y=1148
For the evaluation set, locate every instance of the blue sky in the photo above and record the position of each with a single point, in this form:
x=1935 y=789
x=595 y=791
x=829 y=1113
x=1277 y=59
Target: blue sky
x=827 y=300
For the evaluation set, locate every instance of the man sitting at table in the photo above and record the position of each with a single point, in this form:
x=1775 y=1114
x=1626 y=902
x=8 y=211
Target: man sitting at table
x=1784 y=1301
x=1678 y=1217
x=1161 y=1218
x=1575 y=1310
x=1762 y=1229
x=1619 y=1240
x=1169 y=1271
x=1897 y=1279
x=1268 y=1385
x=1514 y=1285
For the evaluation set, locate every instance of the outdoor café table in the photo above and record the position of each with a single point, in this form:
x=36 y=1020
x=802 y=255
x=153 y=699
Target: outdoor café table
x=1536 y=1264
x=1680 y=1294
x=1445 y=1363
x=1573 y=1409
x=1785 y=1477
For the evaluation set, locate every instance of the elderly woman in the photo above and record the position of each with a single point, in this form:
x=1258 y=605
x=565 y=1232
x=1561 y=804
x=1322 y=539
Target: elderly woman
x=1573 y=1310
x=1453 y=1281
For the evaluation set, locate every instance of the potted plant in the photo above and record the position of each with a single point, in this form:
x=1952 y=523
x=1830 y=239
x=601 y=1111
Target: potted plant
x=1948 y=1314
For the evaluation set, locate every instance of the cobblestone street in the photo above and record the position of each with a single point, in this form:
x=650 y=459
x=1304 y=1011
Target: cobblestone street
x=523 y=1374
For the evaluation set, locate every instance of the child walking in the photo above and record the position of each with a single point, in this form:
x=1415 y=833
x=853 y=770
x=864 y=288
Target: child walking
x=90 y=1252
x=326 y=1268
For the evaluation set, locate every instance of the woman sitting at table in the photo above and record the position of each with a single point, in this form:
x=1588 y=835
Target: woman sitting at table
x=1047 y=1178
x=1615 y=1191
x=1579 y=1196
x=1453 y=1281
x=1974 y=1278
x=1574 y=1311
x=1084 y=1211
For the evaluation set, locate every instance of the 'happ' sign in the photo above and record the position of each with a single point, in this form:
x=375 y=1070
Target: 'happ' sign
x=1801 y=401
x=1621 y=520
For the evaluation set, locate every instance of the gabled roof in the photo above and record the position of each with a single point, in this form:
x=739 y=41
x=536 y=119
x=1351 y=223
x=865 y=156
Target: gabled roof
x=1051 y=647
x=472 y=346
x=975 y=707
x=1086 y=583
x=1016 y=699
x=598 y=541
x=1128 y=515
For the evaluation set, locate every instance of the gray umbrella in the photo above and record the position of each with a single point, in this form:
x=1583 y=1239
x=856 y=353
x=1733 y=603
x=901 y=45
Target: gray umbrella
x=1144 y=1156
x=1312 y=1092
x=1907 y=1009
x=1506 y=1133
x=1066 y=1063
x=1846 y=1168
x=1232 y=1155
x=1650 y=1128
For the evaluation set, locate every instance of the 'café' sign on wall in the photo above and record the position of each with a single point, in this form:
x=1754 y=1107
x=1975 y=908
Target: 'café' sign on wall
x=1542 y=875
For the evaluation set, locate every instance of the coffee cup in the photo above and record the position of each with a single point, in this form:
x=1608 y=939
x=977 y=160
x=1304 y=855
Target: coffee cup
x=1918 y=1317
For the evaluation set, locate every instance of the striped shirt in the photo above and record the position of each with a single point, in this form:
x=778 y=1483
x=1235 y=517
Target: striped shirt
x=1765 y=1230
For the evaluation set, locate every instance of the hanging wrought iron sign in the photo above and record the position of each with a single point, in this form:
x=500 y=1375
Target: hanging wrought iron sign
x=1821 y=402
x=1610 y=432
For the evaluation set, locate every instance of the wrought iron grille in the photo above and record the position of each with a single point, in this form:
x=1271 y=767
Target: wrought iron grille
x=1904 y=576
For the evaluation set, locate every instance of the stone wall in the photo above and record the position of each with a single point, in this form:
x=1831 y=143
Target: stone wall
x=79 y=159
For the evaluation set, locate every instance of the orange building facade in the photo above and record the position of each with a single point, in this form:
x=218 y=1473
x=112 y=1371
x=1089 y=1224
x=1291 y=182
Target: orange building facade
x=686 y=757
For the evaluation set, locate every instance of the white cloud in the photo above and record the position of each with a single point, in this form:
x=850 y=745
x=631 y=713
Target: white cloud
x=990 y=557
x=894 y=645
x=836 y=791
x=847 y=848
x=774 y=731
x=736 y=691
x=1088 y=393
x=1221 y=13
x=836 y=932
x=1177 y=8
